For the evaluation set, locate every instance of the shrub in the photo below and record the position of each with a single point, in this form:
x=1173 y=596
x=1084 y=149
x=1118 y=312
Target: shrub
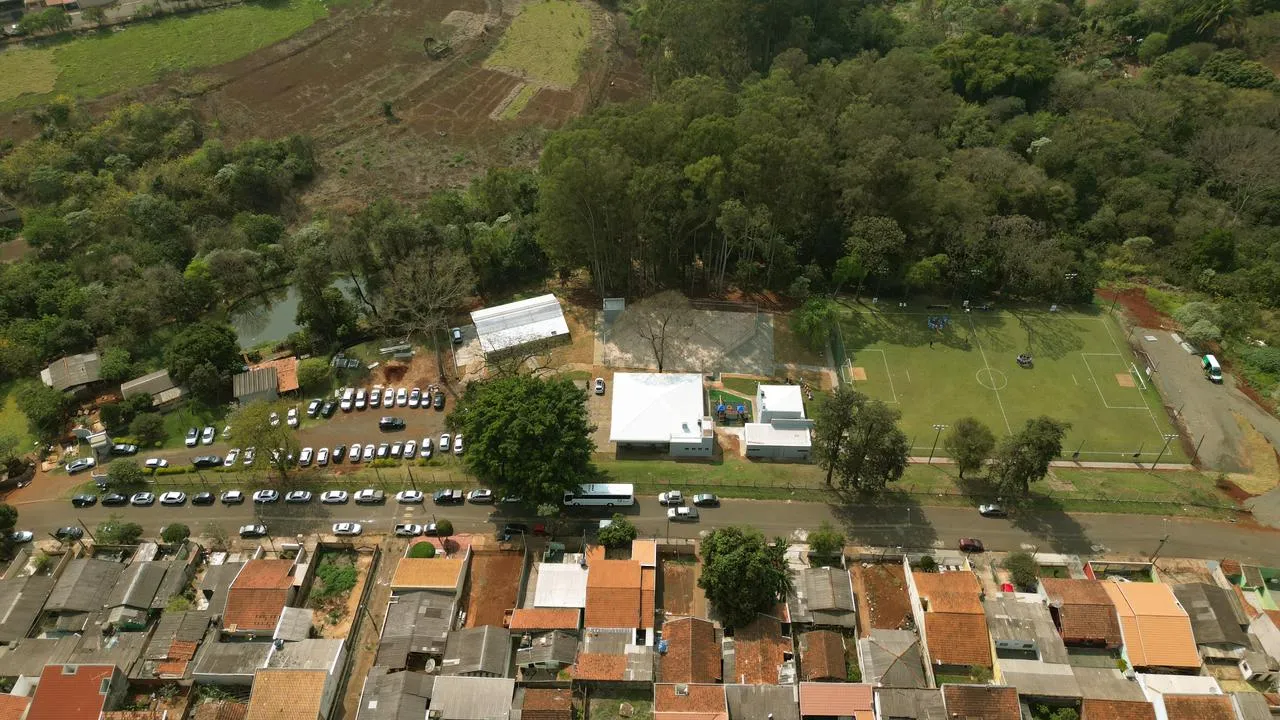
x=422 y=550
x=928 y=564
x=175 y=533
x=1023 y=569
x=620 y=532
x=826 y=541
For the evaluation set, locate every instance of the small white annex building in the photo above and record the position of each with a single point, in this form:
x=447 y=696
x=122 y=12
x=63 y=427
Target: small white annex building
x=781 y=430
x=525 y=321
x=661 y=411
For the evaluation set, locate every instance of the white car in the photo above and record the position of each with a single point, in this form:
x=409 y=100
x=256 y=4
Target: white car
x=265 y=496
x=142 y=498
x=408 y=530
x=671 y=497
x=155 y=463
x=388 y=399
x=226 y=431
x=480 y=497
x=322 y=457
x=304 y=459
x=249 y=455
x=334 y=497
x=253 y=531
x=26 y=536
x=415 y=397
x=292 y=417
x=402 y=397
x=207 y=436
x=599 y=386
x=410 y=449
x=173 y=497
x=375 y=397
x=445 y=441
x=362 y=399
x=992 y=510
x=346 y=528
x=298 y=497
x=425 y=452
x=274 y=419
x=193 y=437
x=369 y=495
x=368 y=452
x=354 y=453
x=409 y=497
x=457 y=444
x=232 y=497
x=232 y=456
x=394 y=452
x=682 y=513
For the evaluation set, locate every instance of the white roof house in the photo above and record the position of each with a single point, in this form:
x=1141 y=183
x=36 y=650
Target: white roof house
x=778 y=401
x=520 y=322
x=661 y=409
x=781 y=430
x=561 y=585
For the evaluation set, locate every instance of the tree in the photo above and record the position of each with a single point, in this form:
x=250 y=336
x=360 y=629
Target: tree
x=328 y=314
x=1024 y=457
x=123 y=473
x=215 y=536
x=254 y=429
x=444 y=529
x=969 y=443
x=526 y=436
x=148 y=429
x=831 y=427
x=422 y=550
x=8 y=518
x=175 y=533
x=95 y=15
x=743 y=574
x=1023 y=569
x=114 y=531
x=314 y=374
x=857 y=441
x=826 y=541
x=47 y=410
x=10 y=455
x=55 y=19
x=983 y=66
x=618 y=533
x=874 y=245
x=813 y=322
x=423 y=290
x=116 y=364
x=663 y=321
x=201 y=343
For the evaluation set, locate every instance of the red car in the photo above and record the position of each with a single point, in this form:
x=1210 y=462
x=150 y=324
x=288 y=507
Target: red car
x=972 y=545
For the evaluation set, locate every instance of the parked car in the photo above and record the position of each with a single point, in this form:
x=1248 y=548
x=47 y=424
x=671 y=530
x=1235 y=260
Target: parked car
x=298 y=497
x=203 y=498
x=334 y=497
x=339 y=452
x=206 y=461
x=253 y=531
x=682 y=513
x=409 y=497
x=706 y=500
x=407 y=530
x=292 y=417
x=143 y=499
x=480 y=496
x=356 y=450
x=249 y=455
x=671 y=497
x=448 y=497
x=415 y=397
x=232 y=497
x=431 y=529
x=390 y=424
x=410 y=449
x=457 y=444
x=124 y=449
x=510 y=530
x=69 y=532
x=346 y=529
x=193 y=437
x=369 y=496
x=208 y=435
x=22 y=536
x=80 y=465
x=274 y=419
x=322 y=457
x=384 y=450
x=173 y=497
x=362 y=399
x=233 y=456
x=394 y=452
x=114 y=499
x=263 y=497
x=84 y=501
x=402 y=397
x=313 y=407
x=425 y=451
x=375 y=397
x=438 y=400
x=328 y=409
x=304 y=458
x=972 y=545
x=155 y=463
x=599 y=386
x=226 y=431
x=992 y=510
x=456 y=334
x=367 y=455
x=388 y=398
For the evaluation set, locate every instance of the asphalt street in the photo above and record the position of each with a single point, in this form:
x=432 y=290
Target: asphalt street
x=913 y=527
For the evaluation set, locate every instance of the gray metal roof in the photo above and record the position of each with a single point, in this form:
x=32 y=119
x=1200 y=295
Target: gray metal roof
x=1013 y=621
x=254 y=381
x=417 y=622
x=84 y=585
x=1215 y=618
x=28 y=656
x=823 y=596
x=911 y=703
x=175 y=582
x=137 y=585
x=482 y=650
x=232 y=658
x=395 y=695
x=149 y=384
x=556 y=646
x=72 y=370
x=1041 y=679
x=295 y=624
x=1252 y=706
x=459 y=697
x=121 y=649
x=762 y=702
x=893 y=658
x=21 y=600
x=1106 y=684
x=188 y=626
x=311 y=654
x=215 y=584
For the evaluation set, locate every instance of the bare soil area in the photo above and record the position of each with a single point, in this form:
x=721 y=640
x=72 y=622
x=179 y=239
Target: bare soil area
x=882 y=594
x=680 y=593
x=495 y=583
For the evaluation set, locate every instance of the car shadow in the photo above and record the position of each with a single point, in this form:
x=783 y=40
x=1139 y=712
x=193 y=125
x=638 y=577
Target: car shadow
x=1045 y=518
x=892 y=519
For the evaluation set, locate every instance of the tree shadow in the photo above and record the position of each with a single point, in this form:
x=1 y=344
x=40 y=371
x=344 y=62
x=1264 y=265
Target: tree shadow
x=894 y=519
x=1047 y=519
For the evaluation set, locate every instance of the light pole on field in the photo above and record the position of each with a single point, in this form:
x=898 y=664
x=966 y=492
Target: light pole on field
x=939 y=427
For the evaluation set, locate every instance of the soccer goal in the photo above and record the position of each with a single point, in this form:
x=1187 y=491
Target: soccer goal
x=1137 y=374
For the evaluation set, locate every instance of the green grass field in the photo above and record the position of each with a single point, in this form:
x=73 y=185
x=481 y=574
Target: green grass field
x=12 y=421
x=1081 y=375
x=545 y=43
x=107 y=62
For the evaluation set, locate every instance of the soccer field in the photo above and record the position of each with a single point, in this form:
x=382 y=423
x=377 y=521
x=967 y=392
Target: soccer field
x=967 y=365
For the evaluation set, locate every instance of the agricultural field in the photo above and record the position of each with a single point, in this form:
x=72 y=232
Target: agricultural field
x=966 y=364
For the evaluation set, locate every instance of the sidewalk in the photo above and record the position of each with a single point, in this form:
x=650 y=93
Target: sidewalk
x=1169 y=467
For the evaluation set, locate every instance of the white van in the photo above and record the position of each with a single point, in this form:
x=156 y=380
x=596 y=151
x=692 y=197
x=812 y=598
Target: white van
x=1212 y=370
x=348 y=399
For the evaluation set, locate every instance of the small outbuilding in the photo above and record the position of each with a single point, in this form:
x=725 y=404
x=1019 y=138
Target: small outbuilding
x=72 y=371
x=524 y=322
x=781 y=430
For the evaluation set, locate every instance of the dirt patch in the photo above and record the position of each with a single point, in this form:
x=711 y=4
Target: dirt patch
x=495 y=584
x=1233 y=491
x=1260 y=456
x=1140 y=310
x=680 y=593
x=1176 y=571
x=883 y=601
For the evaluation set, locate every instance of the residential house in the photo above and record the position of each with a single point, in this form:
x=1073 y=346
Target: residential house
x=560 y=585
x=689 y=702
x=1029 y=654
x=780 y=431
x=211 y=592
x=129 y=603
x=762 y=702
x=951 y=621
x=1092 y=709
x=77 y=692
x=171 y=651
x=823 y=597
x=221 y=710
x=312 y=665
x=293 y=694
x=542 y=656
x=391 y=695
x=13 y=707
x=821 y=701
x=759 y=654
x=1218 y=623
x=661 y=411
x=72 y=371
x=442 y=574
x=21 y=601
x=981 y=702
x=891 y=658
x=548 y=618
x=1165 y=691
x=1253 y=706
x=479 y=652
x=230 y=663
x=80 y=592
x=458 y=697
x=1083 y=612
x=612 y=655
x=417 y=626
x=909 y=704
x=822 y=656
x=689 y=652
x=1197 y=707
x=618 y=592
x=1157 y=632
x=258 y=596
x=158 y=386
x=547 y=704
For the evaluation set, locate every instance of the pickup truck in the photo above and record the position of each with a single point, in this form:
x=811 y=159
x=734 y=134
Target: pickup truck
x=369 y=496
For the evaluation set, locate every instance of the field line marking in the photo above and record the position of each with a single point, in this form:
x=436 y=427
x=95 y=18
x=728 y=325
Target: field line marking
x=1074 y=380
x=887 y=374
x=1106 y=328
x=973 y=329
x=908 y=372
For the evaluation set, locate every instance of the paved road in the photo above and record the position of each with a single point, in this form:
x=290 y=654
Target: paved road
x=909 y=527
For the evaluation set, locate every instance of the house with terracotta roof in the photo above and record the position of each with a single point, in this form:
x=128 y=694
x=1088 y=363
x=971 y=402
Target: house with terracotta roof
x=1198 y=707
x=1083 y=612
x=1163 y=690
x=547 y=704
x=77 y=692
x=836 y=700
x=689 y=652
x=611 y=655
x=682 y=701
x=822 y=656
x=1093 y=709
x=536 y=618
x=949 y=617
x=435 y=573
x=621 y=594
x=981 y=702
x=13 y=707
x=759 y=654
x=1156 y=630
x=291 y=694
x=258 y=596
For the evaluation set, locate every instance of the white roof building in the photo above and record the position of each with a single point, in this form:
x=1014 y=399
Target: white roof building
x=561 y=585
x=524 y=321
x=662 y=410
x=781 y=430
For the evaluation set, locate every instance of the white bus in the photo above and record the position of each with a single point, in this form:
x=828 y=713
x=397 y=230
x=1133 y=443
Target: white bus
x=606 y=494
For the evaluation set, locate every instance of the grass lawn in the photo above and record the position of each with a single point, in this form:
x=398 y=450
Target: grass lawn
x=575 y=375
x=191 y=415
x=788 y=348
x=728 y=399
x=545 y=43
x=519 y=102
x=745 y=387
x=12 y=421
x=1081 y=376
x=607 y=704
x=107 y=62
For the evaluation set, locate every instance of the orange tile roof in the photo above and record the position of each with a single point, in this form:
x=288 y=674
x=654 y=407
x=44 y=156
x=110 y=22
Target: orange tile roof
x=13 y=706
x=428 y=573
x=183 y=649
x=693 y=654
x=286 y=372
x=220 y=710
x=172 y=670
x=648 y=595
x=599 y=666
x=700 y=698
x=981 y=702
x=547 y=704
x=134 y=715
x=1199 y=707
x=1085 y=611
x=615 y=595
x=822 y=656
x=258 y=595
x=950 y=592
x=545 y=619
x=644 y=552
x=1231 y=567
x=1249 y=610
x=614 y=574
x=836 y=699
x=758 y=651
x=286 y=694
x=74 y=696
x=1117 y=710
x=958 y=639
x=1157 y=632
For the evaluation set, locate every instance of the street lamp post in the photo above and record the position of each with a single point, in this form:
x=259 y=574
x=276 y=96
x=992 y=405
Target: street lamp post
x=939 y=427
x=1168 y=438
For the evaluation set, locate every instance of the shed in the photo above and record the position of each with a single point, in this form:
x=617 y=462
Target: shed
x=533 y=320
x=762 y=702
x=457 y=697
x=893 y=658
x=254 y=385
x=21 y=600
x=1217 y=621
x=158 y=385
x=823 y=596
x=72 y=371
x=480 y=652
x=395 y=695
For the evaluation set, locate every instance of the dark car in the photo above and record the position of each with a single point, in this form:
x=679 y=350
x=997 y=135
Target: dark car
x=83 y=501
x=972 y=545
x=328 y=408
x=448 y=497
x=339 y=452
x=390 y=424
x=202 y=498
x=438 y=401
x=706 y=500
x=70 y=532
x=253 y=531
x=114 y=500
x=124 y=449
x=207 y=461
x=511 y=530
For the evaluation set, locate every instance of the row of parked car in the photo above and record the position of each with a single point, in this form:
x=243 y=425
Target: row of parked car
x=673 y=501
x=378 y=396
x=266 y=496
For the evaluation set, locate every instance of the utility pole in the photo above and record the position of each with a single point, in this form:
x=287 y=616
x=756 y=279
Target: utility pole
x=1168 y=438
x=86 y=530
x=939 y=427
x=1159 y=547
x=1076 y=455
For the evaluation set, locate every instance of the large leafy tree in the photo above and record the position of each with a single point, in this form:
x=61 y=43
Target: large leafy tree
x=254 y=429
x=199 y=345
x=969 y=442
x=47 y=410
x=743 y=574
x=526 y=436
x=1024 y=457
x=857 y=441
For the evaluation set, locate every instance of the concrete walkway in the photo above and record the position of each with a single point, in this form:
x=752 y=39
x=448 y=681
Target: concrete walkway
x=1074 y=464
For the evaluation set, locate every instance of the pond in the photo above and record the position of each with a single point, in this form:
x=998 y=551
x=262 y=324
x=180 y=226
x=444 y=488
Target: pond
x=262 y=321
